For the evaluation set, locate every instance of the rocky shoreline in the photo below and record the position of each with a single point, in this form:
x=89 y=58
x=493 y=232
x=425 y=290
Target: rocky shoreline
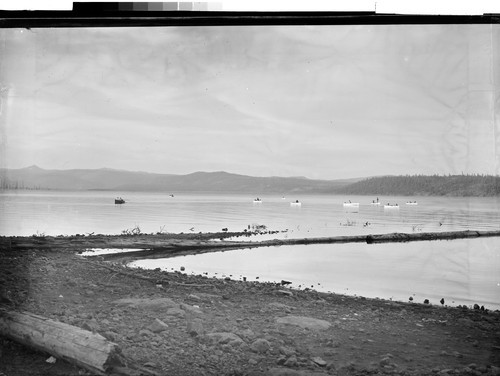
x=176 y=324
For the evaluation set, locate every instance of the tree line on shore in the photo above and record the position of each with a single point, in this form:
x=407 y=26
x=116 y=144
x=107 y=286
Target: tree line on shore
x=427 y=185
x=34 y=178
x=6 y=184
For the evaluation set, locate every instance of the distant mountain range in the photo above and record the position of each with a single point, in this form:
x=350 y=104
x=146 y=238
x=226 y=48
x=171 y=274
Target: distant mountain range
x=35 y=177
x=121 y=181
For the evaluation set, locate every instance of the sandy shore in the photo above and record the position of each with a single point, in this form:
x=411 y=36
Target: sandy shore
x=219 y=327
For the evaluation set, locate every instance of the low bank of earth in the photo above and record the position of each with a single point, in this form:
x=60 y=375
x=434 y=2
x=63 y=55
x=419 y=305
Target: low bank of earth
x=175 y=324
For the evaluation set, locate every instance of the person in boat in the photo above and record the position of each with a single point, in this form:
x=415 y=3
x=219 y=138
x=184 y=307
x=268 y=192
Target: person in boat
x=297 y=201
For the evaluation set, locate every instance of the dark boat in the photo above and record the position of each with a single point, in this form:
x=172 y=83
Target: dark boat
x=119 y=200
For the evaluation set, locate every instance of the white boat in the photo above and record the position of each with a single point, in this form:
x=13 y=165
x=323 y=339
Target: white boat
x=296 y=203
x=412 y=203
x=375 y=203
x=391 y=207
x=257 y=201
x=351 y=204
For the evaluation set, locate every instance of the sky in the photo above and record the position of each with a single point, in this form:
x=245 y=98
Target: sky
x=324 y=102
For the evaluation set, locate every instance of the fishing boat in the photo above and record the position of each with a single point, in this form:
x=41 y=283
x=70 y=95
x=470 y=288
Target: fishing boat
x=119 y=200
x=412 y=203
x=295 y=203
x=391 y=206
x=351 y=204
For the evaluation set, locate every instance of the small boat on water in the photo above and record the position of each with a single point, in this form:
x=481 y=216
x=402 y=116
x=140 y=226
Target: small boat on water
x=375 y=202
x=257 y=201
x=119 y=201
x=171 y=195
x=351 y=204
x=295 y=203
x=412 y=203
x=391 y=206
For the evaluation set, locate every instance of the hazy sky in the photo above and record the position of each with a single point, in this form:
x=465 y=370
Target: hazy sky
x=318 y=101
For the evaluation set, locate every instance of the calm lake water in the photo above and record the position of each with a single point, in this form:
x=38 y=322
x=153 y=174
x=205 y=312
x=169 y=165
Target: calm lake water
x=463 y=271
x=466 y=271
x=26 y=213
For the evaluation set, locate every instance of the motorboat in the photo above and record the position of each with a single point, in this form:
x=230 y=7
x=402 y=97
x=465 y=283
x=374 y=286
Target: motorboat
x=412 y=203
x=119 y=201
x=257 y=201
x=296 y=203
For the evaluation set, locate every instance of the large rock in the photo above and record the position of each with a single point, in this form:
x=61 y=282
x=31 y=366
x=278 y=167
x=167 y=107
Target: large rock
x=304 y=322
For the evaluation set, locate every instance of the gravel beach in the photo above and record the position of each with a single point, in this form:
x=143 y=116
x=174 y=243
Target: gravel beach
x=176 y=324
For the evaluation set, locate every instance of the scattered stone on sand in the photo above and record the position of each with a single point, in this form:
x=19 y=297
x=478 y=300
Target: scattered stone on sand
x=236 y=328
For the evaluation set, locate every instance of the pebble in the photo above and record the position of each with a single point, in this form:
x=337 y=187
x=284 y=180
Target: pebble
x=385 y=361
x=260 y=346
x=158 y=326
x=319 y=361
x=194 y=297
x=291 y=361
x=145 y=333
x=286 y=351
x=225 y=338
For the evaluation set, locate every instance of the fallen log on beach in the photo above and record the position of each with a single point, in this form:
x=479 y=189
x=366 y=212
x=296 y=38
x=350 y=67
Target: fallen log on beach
x=449 y=235
x=63 y=341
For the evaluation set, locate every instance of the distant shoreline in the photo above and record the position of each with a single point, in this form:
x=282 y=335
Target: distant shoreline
x=473 y=185
x=113 y=192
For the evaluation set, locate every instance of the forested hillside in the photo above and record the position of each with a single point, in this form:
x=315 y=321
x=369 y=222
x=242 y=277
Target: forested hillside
x=424 y=185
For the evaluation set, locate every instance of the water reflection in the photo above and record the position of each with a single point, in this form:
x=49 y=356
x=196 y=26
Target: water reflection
x=463 y=271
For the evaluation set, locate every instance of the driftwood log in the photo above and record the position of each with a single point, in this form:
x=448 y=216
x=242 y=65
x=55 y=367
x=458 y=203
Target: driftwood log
x=78 y=346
